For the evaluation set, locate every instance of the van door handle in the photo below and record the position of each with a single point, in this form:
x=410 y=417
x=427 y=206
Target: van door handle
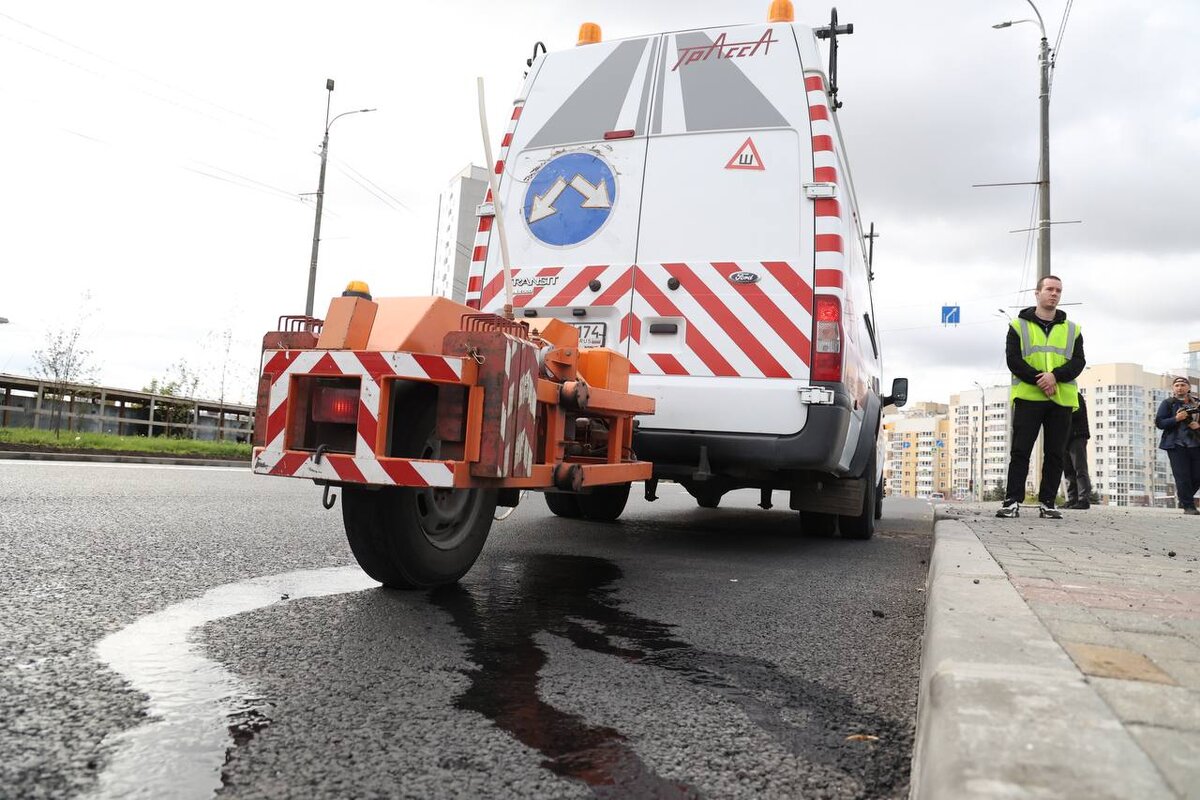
x=664 y=327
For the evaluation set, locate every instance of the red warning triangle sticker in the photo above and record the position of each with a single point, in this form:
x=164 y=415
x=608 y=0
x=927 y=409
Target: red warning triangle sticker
x=746 y=157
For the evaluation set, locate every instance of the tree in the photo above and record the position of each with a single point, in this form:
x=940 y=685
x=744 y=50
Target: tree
x=995 y=493
x=64 y=363
x=181 y=382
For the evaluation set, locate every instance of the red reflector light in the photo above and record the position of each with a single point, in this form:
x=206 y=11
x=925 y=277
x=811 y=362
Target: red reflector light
x=331 y=404
x=473 y=304
x=621 y=134
x=827 y=339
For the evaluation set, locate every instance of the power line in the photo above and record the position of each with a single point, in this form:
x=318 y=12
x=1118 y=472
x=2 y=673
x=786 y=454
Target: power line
x=381 y=190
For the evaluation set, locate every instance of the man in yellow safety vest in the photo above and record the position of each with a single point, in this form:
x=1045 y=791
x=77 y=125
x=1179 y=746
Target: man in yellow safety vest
x=1045 y=355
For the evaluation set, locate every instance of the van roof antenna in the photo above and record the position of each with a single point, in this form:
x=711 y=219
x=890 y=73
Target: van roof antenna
x=831 y=33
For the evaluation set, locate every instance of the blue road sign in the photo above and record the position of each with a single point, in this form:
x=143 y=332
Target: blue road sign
x=950 y=315
x=570 y=199
x=907 y=445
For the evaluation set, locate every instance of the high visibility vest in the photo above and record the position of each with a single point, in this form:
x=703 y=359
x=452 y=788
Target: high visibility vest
x=1045 y=353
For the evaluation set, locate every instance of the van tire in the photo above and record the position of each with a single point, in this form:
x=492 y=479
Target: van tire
x=707 y=498
x=818 y=523
x=862 y=525
x=604 y=503
x=563 y=505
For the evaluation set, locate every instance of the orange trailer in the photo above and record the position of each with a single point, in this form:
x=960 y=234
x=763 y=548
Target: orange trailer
x=429 y=415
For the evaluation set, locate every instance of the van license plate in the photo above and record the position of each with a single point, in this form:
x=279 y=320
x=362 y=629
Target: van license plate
x=591 y=334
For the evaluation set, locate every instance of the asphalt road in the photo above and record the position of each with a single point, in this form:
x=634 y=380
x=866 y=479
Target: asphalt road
x=681 y=652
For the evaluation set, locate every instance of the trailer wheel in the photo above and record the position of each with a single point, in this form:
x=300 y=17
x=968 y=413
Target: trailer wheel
x=604 y=503
x=862 y=525
x=409 y=538
x=563 y=504
x=818 y=523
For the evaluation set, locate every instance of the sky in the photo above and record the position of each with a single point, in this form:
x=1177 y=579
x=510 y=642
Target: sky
x=158 y=157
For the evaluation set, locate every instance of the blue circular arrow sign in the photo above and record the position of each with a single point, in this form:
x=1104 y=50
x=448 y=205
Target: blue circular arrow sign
x=570 y=199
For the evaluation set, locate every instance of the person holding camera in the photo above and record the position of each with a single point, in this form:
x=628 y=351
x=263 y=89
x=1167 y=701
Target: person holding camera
x=1179 y=419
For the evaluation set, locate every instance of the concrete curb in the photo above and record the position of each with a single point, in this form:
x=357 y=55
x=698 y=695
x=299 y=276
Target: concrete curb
x=21 y=455
x=1003 y=711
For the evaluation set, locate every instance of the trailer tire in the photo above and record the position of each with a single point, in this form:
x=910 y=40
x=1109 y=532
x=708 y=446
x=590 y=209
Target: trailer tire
x=862 y=525
x=563 y=504
x=416 y=538
x=604 y=503
x=818 y=523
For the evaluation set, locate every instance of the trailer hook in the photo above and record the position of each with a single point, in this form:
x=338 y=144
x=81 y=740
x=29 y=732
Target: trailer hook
x=326 y=500
x=474 y=354
x=320 y=452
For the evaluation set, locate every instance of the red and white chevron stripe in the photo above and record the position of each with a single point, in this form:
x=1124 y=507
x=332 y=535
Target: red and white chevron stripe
x=830 y=248
x=755 y=330
x=370 y=367
x=484 y=230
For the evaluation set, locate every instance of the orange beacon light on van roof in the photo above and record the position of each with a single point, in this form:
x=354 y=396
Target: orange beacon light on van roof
x=589 y=33
x=781 y=11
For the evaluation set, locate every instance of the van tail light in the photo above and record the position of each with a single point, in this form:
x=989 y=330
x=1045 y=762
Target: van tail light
x=334 y=404
x=827 y=339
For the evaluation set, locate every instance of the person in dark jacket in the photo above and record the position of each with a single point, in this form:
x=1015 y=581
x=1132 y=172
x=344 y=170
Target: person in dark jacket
x=1044 y=352
x=1075 y=464
x=1181 y=440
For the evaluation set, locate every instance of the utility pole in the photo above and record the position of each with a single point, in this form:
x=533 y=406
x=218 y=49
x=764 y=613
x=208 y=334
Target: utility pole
x=312 y=268
x=1044 y=177
x=982 y=424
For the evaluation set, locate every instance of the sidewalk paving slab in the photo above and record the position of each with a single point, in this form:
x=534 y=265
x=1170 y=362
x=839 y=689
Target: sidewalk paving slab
x=1060 y=657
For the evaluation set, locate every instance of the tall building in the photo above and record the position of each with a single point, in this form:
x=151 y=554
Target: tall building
x=1126 y=465
x=456 y=232
x=917 y=448
x=981 y=421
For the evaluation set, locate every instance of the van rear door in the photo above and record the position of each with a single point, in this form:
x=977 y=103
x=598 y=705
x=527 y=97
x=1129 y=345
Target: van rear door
x=571 y=188
x=723 y=290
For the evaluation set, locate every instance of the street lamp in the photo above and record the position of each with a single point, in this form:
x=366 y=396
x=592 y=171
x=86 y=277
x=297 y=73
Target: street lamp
x=1044 y=170
x=982 y=419
x=312 y=269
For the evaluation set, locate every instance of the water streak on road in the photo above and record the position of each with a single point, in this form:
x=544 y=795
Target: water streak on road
x=574 y=597
x=198 y=710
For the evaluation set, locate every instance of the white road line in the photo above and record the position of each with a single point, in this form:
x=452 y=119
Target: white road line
x=28 y=462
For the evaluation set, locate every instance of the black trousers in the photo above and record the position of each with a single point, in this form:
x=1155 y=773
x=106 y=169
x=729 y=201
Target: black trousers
x=1075 y=470
x=1054 y=421
x=1185 y=467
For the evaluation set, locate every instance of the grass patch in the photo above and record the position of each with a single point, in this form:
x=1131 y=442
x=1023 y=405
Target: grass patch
x=155 y=445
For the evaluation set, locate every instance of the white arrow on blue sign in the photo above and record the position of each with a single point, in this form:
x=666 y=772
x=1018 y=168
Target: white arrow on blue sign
x=950 y=315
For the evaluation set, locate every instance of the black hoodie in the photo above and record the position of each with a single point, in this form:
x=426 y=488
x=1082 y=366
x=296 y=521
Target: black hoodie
x=1016 y=364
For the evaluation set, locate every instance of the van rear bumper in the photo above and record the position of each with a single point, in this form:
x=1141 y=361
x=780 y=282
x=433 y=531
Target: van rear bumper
x=818 y=447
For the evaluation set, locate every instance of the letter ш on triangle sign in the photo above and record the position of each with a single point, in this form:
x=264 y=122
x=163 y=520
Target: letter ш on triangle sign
x=746 y=157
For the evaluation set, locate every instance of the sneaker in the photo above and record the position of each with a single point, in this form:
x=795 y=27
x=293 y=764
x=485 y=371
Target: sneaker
x=1191 y=510
x=1047 y=511
x=1011 y=508
x=1080 y=505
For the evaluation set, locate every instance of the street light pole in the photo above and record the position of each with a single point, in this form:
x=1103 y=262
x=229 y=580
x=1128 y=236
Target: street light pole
x=312 y=268
x=1043 y=226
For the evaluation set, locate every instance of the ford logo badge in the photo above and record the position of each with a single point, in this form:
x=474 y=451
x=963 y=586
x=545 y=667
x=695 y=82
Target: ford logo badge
x=743 y=277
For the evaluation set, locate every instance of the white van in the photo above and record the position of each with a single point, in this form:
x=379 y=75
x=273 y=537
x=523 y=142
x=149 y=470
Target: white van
x=684 y=198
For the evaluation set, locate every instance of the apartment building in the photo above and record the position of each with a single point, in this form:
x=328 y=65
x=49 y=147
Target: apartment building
x=456 y=232
x=1127 y=467
x=980 y=423
x=917 y=451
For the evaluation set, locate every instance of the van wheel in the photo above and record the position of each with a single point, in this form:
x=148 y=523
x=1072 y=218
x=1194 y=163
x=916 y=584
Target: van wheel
x=818 y=523
x=862 y=525
x=879 y=500
x=604 y=503
x=563 y=505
